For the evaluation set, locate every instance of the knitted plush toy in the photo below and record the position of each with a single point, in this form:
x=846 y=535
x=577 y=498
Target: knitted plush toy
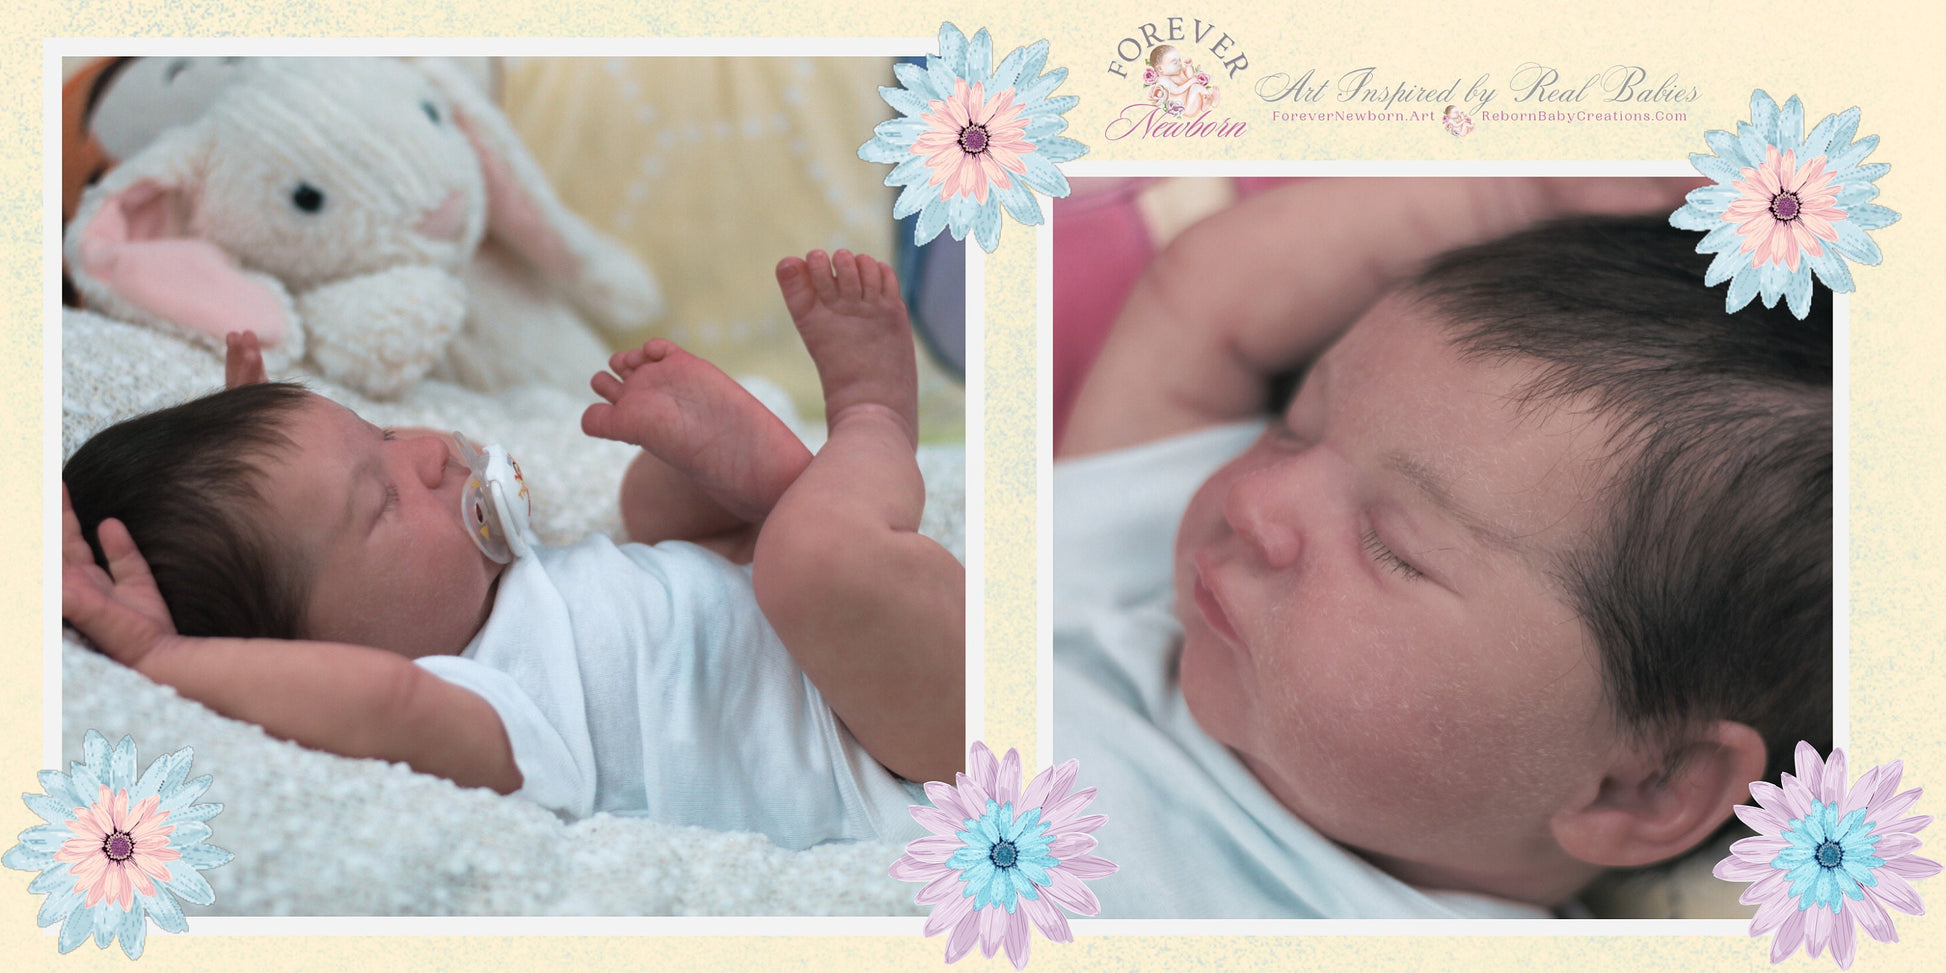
x=373 y=218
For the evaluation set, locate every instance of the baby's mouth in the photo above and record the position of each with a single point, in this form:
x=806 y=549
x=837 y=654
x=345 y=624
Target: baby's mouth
x=1209 y=603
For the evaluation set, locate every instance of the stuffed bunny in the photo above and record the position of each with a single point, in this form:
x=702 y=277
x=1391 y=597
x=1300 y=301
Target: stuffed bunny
x=337 y=207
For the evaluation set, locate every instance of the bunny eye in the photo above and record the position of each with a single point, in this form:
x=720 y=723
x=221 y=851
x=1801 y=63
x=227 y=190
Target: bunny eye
x=307 y=197
x=431 y=111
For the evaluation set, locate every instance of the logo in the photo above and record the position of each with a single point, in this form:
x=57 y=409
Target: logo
x=1179 y=97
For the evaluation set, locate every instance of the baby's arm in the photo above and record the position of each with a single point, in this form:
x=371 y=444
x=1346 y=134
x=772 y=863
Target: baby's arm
x=346 y=699
x=1263 y=286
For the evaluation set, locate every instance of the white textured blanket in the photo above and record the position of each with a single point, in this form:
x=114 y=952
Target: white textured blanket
x=317 y=834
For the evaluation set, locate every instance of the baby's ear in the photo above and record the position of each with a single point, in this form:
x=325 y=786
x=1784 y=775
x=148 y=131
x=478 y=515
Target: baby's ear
x=1652 y=806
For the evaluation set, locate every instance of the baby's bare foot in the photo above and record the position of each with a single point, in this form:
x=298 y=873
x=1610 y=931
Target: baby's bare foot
x=699 y=421
x=848 y=311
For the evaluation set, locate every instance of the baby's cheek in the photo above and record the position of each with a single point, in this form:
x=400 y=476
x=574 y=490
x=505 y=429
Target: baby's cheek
x=1384 y=752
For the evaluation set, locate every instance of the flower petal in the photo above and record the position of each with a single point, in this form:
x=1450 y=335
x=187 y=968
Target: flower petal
x=1912 y=866
x=937 y=821
x=133 y=931
x=910 y=869
x=1798 y=294
x=1715 y=168
x=205 y=856
x=1743 y=287
x=1052 y=783
x=982 y=768
x=1068 y=846
x=1048 y=917
x=1831 y=269
x=1853 y=243
x=166 y=913
x=1760 y=819
x=986 y=228
x=1790 y=124
x=966 y=932
x=1853 y=154
x=1032 y=92
x=1735 y=869
x=1018 y=939
x=1061 y=149
x=189 y=885
x=952 y=49
x=1068 y=891
x=1844 y=942
x=1790 y=933
x=1870 y=216
x=932 y=219
x=945 y=885
x=948 y=914
x=1897 y=893
x=75 y=930
x=992 y=927
x=979 y=57
x=918 y=81
x=1089 y=867
x=121 y=764
x=1895 y=845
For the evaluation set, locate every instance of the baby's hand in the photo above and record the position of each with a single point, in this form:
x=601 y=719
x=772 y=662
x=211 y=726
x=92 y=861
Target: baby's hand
x=243 y=360
x=119 y=609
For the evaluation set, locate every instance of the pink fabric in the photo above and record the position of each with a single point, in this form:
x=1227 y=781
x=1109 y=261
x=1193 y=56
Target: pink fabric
x=135 y=248
x=1100 y=248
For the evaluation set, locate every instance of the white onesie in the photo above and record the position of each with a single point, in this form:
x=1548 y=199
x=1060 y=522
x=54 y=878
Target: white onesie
x=1194 y=832
x=645 y=680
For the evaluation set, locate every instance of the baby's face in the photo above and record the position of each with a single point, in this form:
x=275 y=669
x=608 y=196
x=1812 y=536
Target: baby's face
x=1370 y=610
x=1171 y=63
x=377 y=517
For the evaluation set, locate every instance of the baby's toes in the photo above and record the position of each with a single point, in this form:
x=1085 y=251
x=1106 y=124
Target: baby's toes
x=869 y=275
x=794 y=282
x=822 y=283
x=845 y=265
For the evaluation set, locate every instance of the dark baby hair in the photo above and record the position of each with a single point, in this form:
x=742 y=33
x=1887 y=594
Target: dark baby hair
x=186 y=482
x=1708 y=589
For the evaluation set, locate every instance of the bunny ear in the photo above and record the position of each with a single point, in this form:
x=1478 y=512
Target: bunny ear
x=525 y=216
x=133 y=255
x=522 y=210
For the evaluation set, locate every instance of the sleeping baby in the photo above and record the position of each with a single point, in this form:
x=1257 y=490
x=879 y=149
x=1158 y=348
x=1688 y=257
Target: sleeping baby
x=776 y=650
x=1528 y=581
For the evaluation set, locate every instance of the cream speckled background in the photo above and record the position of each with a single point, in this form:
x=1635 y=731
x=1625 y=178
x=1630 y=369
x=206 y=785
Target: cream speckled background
x=1884 y=61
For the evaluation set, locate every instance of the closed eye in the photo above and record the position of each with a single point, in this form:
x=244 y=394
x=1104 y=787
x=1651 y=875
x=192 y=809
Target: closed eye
x=391 y=500
x=1387 y=558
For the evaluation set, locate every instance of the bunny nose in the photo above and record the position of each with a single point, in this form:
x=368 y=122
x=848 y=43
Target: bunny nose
x=448 y=220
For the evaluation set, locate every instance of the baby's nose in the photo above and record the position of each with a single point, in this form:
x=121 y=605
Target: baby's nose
x=1261 y=510
x=430 y=456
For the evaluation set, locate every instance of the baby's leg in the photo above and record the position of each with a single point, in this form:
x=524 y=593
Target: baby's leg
x=714 y=459
x=874 y=611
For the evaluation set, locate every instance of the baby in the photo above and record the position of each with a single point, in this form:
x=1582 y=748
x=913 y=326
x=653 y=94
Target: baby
x=1529 y=580
x=783 y=697
x=1179 y=88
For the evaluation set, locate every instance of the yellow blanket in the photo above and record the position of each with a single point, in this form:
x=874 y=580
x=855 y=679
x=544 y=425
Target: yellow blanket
x=712 y=169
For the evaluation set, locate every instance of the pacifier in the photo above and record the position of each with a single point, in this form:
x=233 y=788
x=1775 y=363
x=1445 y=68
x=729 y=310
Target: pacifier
x=494 y=503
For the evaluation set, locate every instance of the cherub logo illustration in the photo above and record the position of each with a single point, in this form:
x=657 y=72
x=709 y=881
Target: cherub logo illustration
x=1175 y=85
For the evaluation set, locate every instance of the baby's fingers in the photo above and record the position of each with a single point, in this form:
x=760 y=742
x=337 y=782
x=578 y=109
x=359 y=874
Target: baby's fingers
x=74 y=547
x=243 y=360
x=125 y=563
